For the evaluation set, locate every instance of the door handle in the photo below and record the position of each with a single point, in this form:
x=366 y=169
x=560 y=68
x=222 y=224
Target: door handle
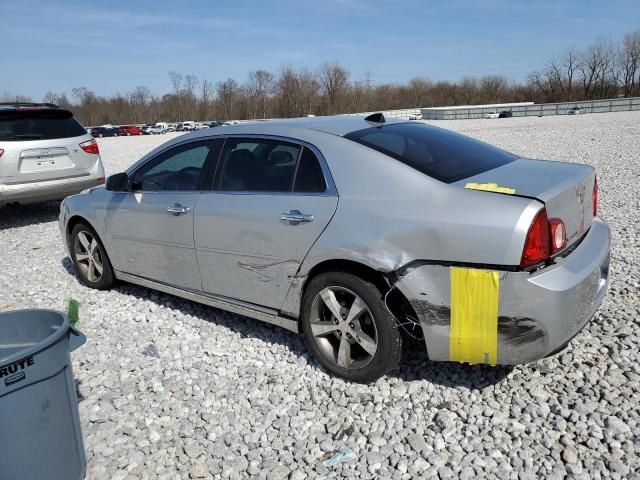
x=178 y=209
x=294 y=217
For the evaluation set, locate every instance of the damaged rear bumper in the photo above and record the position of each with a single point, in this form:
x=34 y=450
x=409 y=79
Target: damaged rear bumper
x=510 y=317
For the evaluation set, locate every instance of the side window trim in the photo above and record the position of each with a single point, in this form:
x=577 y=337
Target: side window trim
x=331 y=190
x=160 y=155
x=295 y=170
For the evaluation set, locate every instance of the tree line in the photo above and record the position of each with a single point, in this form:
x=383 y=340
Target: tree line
x=602 y=70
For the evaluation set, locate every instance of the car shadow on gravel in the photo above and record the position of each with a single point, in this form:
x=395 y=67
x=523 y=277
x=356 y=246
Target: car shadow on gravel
x=14 y=216
x=413 y=367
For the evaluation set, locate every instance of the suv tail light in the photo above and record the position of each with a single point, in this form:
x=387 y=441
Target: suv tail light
x=594 y=196
x=558 y=235
x=90 y=146
x=1 y=152
x=537 y=246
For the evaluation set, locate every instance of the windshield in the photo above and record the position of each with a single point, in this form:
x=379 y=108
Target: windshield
x=442 y=154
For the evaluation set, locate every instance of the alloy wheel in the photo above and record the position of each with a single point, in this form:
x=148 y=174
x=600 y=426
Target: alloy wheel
x=343 y=327
x=88 y=256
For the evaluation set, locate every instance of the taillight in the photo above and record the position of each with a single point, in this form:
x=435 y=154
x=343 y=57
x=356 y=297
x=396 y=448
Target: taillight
x=594 y=196
x=1 y=152
x=537 y=246
x=90 y=146
x=558 y=235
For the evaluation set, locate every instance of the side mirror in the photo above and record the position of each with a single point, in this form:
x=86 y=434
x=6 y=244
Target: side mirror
x=118 y=182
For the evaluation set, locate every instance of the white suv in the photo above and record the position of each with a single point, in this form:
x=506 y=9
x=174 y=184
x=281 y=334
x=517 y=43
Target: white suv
x=45 y=154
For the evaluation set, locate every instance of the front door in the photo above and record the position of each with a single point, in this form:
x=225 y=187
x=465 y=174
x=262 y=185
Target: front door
x=270 y=202
x=151 y=226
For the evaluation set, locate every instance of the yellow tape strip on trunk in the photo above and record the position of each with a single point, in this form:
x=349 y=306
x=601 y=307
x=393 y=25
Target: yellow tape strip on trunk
x=473 y=335
x=490 y=187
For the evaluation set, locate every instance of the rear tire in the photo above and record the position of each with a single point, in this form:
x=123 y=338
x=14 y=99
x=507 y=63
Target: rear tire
x=90 y=259
x=348 y=328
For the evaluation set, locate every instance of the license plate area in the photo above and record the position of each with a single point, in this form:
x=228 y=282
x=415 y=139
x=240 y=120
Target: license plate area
x=45 y=164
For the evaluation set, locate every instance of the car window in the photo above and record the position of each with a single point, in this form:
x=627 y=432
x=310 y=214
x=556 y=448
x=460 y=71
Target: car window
x=257 y=165
x=39 y=125
x=444 y=155
x=309 y=176
x=177 y=169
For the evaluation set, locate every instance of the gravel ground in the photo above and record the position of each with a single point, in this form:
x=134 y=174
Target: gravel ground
x=173 y=389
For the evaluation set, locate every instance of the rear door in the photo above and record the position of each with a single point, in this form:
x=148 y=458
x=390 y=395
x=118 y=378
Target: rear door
x=42 y=144
x=150 y=227
x=271 y=200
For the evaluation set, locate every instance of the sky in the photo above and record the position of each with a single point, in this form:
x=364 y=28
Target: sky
x=113 y=46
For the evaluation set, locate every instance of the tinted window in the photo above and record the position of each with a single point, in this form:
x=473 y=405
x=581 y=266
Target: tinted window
x=257 y=165
x=38 y=125
x=177 y=169
x=439 y=153
x=309 y=177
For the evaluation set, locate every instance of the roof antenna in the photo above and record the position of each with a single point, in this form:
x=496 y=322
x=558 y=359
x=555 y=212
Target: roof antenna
x=375 y=118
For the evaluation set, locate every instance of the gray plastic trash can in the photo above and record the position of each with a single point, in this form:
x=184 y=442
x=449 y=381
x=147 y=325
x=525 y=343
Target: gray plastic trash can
x=40 y=436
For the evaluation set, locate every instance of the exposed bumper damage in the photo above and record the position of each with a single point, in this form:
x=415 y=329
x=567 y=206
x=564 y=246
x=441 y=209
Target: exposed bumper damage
x=498 y=317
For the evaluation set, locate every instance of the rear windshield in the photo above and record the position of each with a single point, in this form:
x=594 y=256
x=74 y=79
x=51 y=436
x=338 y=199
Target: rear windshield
x=439 y=153
x=38 y=125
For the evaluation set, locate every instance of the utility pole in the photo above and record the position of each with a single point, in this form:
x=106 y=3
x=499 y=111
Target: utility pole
x=367 y=79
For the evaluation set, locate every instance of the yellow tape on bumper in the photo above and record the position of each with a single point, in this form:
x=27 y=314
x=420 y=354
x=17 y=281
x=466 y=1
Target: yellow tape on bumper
x=473 y=335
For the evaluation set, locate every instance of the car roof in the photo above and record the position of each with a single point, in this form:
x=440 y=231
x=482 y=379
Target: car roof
x=336 y=124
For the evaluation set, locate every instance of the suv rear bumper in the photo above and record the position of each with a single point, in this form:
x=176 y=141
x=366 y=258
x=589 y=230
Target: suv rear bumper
x=537 y=313
x=49 y=190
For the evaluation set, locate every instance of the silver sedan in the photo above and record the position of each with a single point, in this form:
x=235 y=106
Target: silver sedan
x=357 y=232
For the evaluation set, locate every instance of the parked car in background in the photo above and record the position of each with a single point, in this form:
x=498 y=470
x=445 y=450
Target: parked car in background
x=45 y=154
x=129 y=130
x=200 y=126
x=157 y=129
x=491 y=258
x=491 y=115
x=188 y=126
x=505 y=114
x=105 y=131
x=575 y=111
x=415 y=116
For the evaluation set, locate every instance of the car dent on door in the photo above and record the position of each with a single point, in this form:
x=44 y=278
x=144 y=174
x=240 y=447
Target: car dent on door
x=249 y=246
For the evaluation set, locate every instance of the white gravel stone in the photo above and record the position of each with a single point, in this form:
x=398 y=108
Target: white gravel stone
x=223 y=396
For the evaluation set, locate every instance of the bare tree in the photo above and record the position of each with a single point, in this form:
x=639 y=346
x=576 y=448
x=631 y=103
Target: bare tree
x=628 y=56
x=493 y=88
x=334 y=81
x=309 y=88
x=259 y=86
x=176 y=82
x=10 y=97
x=206 y=95
x=227 y=95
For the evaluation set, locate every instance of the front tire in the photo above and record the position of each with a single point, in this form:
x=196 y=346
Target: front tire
x=348 y=328
x=90 y=259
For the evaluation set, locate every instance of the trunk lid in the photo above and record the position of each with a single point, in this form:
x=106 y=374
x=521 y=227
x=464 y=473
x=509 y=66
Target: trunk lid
x=565 y=189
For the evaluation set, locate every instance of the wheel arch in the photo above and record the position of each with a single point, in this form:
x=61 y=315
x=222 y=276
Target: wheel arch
x=397 y=303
